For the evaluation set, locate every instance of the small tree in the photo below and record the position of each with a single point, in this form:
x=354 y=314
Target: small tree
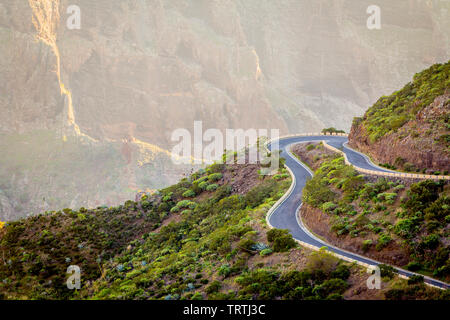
x=281 y=239
x=332 y=130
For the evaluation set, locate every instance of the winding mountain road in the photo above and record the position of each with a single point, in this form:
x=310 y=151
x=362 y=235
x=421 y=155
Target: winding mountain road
x=285 y=216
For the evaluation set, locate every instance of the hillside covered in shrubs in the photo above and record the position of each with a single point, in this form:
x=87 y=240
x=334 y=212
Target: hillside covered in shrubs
x=203 y=238
x=410 y=129
x=404 y=223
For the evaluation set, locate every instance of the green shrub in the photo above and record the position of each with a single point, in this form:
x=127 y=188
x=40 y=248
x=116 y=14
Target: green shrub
x=175 y=209
x=430 y=242
x=439 y=209
x=282 y=240
x=316 y=193
x=167 y=197
x=383 y=241
x=200 y=180
x=214 y=287
x=246 y=245
x=353 y=183
x=284 y=243
x=203 y=185
x=189 y=194
x=387 y=196
x=258 y=194
x=409 y=167
x=261 y=282
x=332 y=286
x=212 y=187
x=272 y=234
x=184 y=204
x=224 y=270
x=406 y=228
x=387 y=271
x=422 y=194
x=265 y=252
x=215 y=177
x=414 y=266
x=415 y=279
x=366 y=245
x=197 y=296
x=215 y=168
x=329 y=206
x=342 y=271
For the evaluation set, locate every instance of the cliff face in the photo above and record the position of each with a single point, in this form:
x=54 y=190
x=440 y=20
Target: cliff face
x=137 y=70
x=405 y=130
x=133 y=66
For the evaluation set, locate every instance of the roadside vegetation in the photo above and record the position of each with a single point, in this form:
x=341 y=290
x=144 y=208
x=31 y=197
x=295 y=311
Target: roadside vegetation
x=378 y=214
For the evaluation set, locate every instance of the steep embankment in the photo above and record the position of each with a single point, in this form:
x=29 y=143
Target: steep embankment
x=410 y=129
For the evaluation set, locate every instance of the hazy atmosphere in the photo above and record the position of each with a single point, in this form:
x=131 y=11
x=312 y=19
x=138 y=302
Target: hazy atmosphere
x=87 y=113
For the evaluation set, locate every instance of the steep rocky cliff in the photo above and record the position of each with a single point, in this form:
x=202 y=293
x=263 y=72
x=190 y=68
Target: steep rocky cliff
x=137 y=70
x=134 y=65
x=410 y=129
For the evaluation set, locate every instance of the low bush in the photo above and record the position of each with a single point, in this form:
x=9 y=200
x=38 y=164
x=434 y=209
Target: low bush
x=212 y=187
x=415 y=279
x=414 y=266
x=189 y=194
x=215 y=177
x=342 y=271
x=387 y=271
x=281 y=239
x=265 y=252
x=213 y=287
x=366 y=245
x=383 y=241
